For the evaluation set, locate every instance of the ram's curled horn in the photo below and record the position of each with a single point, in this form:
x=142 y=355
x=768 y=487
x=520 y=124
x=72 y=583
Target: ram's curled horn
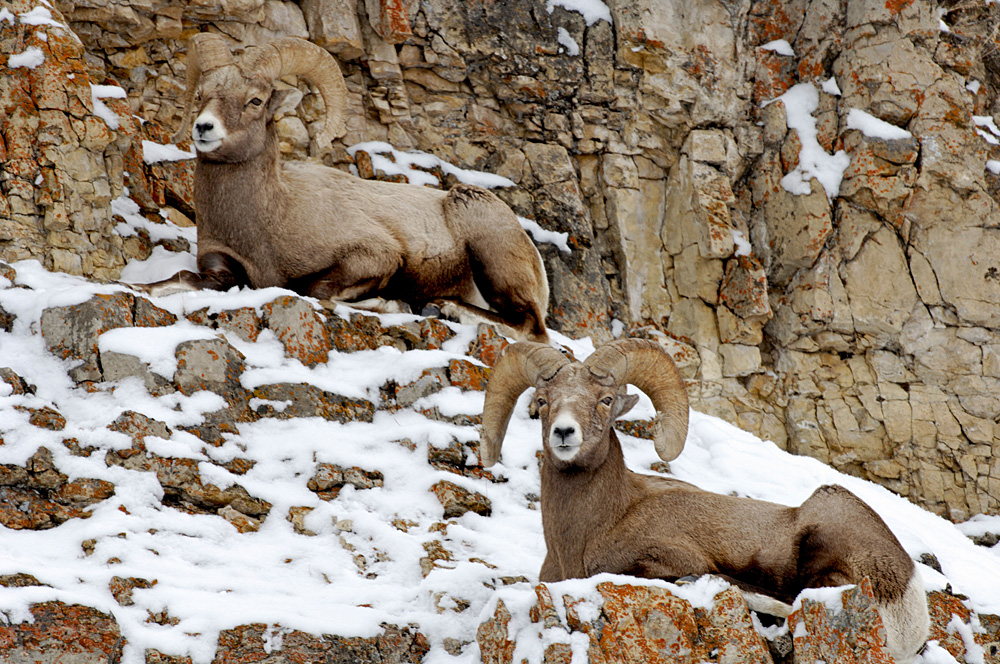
x=291 y=56
x=520 y=367
x=647 y=365
x=206 y=51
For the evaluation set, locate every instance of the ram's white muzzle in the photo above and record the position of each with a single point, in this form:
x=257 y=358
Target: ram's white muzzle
x=207 y=132
x=565 y=436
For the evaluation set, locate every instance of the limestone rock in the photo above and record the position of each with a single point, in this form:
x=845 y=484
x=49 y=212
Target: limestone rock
x=855 y=634
x=329 y=479
x=457 y=500
x=300 y=329
x=212 y=365
x=333 y=24
x=303 y=400
x=794 y=229
x=72 y=331
x=879 y=287
x=56 y=188
x=37 y=496
x=63 y=632
x=633 y=623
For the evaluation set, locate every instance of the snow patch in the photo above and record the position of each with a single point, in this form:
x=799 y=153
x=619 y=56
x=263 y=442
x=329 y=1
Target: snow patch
x=743 y=247
x=30 y=58
x=933 y=653
x=410 y=164
x=874 y=127
x=779 y=46
x=567 y=41
x=154 y=153
x=801 y=101
x=134 y=220
x=542 y=236
x=974 y=653
x=702 y=592
x=992 y=132
x=99 y=92
x=830 y=87
x=592 y=10
x=278 y=406
x=154 y=346
x=942 y=26
x=769 y=632
x=831 y=598
x=39 y=16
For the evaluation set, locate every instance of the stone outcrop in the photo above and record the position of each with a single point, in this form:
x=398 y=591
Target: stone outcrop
x=855 y=323
x=74 y=634
x=632 y=623
x=37 y=496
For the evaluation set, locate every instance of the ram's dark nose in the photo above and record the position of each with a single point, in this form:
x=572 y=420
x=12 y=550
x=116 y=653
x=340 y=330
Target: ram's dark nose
x=562 y=433
x=203 y=127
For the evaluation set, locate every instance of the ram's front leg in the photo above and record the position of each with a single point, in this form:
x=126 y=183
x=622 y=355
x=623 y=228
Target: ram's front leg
x=216 y=272
x=647 y=560
x=551 y=570
x=361 y=271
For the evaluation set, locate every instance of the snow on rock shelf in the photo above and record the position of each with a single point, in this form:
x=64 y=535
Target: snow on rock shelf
x=222 y=476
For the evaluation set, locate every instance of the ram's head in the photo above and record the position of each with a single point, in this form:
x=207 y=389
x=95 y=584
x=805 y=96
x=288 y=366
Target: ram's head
x=579 y=401
x=230 y=99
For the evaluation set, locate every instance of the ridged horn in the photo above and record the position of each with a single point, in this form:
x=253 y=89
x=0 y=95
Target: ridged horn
x=520 y=367
x=649 y=367
x=292 y=56
x=206 y=51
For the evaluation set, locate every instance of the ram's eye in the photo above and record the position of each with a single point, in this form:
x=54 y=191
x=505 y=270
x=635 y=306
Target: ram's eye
x=256 y=101
x=541 y=402
x=607 y=400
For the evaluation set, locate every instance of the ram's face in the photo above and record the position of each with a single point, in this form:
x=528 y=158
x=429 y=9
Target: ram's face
x=231 y=115
x=577 y=409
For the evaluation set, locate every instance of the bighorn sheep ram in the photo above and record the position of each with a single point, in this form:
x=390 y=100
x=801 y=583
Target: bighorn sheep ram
x=328 y=234
x=598 y=516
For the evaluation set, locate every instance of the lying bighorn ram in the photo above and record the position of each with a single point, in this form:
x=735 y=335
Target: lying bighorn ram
x=598 y=516
x=328 y=234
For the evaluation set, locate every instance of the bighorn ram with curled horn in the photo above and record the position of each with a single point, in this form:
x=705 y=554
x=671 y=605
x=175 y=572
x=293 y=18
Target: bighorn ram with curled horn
x=598 y=516
x=328 y=234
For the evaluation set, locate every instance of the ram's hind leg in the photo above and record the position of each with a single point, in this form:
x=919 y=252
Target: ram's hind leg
x=469 y=314
x=845 y=541
x=507 y=268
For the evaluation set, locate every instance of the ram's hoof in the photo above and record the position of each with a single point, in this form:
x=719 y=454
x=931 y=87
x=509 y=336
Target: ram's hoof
x=431 y=311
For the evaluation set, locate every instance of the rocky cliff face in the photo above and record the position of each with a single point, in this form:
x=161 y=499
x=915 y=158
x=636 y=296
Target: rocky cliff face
x=853 y=322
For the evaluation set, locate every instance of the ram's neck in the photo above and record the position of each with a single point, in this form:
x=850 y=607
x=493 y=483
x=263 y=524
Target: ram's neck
x=579 y=505
x=236 y=203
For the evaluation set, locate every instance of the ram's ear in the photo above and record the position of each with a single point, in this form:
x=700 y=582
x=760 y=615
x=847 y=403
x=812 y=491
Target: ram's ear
x=623 y=404
x=285 y=100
